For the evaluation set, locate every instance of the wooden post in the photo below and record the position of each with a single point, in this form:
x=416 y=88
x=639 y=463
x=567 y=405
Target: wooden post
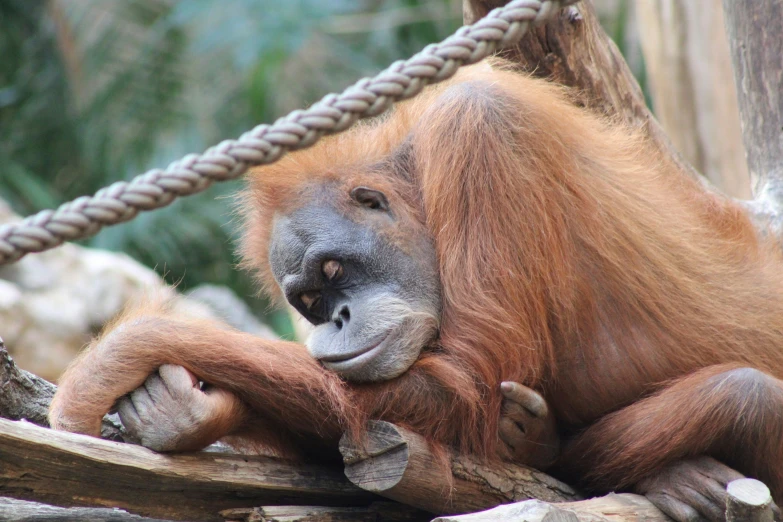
x=748 y=501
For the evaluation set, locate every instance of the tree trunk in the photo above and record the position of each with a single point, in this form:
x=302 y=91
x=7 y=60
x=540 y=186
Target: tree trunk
x=692 y=86
x=755 y=35
x=573 y=50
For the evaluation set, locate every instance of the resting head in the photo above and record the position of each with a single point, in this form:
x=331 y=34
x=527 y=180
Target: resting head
x=355 y=263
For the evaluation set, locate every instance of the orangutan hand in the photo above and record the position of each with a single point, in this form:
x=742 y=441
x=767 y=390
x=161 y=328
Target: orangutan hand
x=527 y=427
x=692 y=489
x=170 y=412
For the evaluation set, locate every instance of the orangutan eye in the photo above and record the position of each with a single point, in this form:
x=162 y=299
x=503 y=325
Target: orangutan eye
x=370 y=198
x=332 y=269
x=310 y=299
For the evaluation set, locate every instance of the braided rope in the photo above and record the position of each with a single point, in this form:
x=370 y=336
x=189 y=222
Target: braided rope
x=122 y=201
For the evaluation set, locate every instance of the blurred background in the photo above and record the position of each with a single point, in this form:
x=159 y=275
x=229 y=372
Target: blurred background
x=96 y=91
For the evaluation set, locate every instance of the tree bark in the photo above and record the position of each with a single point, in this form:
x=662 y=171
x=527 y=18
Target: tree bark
x=611 y=508
x=65 y=469
x=397 y=464
x=375 y=512
x=24 y=396
x=686 y=53
x=756 y=42
x=749 y=501
x=23 y=511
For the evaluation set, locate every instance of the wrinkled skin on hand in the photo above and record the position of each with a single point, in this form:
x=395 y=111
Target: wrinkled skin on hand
x=527 y=427
x=171 y=412
x=692 y=490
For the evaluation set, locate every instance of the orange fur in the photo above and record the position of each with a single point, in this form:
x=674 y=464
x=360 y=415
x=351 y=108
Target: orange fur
x=573 y=258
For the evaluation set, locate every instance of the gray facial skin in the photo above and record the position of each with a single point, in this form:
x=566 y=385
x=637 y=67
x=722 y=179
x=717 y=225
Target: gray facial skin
x=373 y=320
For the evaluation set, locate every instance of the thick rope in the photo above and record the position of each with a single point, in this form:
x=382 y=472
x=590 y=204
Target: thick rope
x=265 y=144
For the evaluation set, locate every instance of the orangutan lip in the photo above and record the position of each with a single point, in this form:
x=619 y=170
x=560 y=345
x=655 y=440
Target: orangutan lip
x=341 y=359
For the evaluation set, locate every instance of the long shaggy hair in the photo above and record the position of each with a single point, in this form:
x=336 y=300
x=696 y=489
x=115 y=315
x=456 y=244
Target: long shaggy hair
x=572 y=257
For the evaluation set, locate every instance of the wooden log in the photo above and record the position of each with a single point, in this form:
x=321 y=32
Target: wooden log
x=66 y=469
x=624 y=507
x=398 y=464
x=22 y=394
x=23 y=511
x=27 y=396
x=375 y=512
x=748 y=501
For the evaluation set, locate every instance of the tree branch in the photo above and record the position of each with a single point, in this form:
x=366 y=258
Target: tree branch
x=397 y=464
x=65 y=469
x=375 y=512
x=611 y=508
x=24 y=396
x=748 y=501
x=21 y=510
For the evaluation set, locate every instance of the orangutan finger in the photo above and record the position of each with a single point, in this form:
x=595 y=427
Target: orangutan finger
x=526 y=397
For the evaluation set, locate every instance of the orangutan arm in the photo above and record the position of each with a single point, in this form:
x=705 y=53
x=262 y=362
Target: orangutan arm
x=277 y=380
x=257 y=389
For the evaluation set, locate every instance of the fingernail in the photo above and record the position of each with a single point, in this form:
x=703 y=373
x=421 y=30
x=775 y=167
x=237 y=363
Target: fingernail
x=506 y=386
